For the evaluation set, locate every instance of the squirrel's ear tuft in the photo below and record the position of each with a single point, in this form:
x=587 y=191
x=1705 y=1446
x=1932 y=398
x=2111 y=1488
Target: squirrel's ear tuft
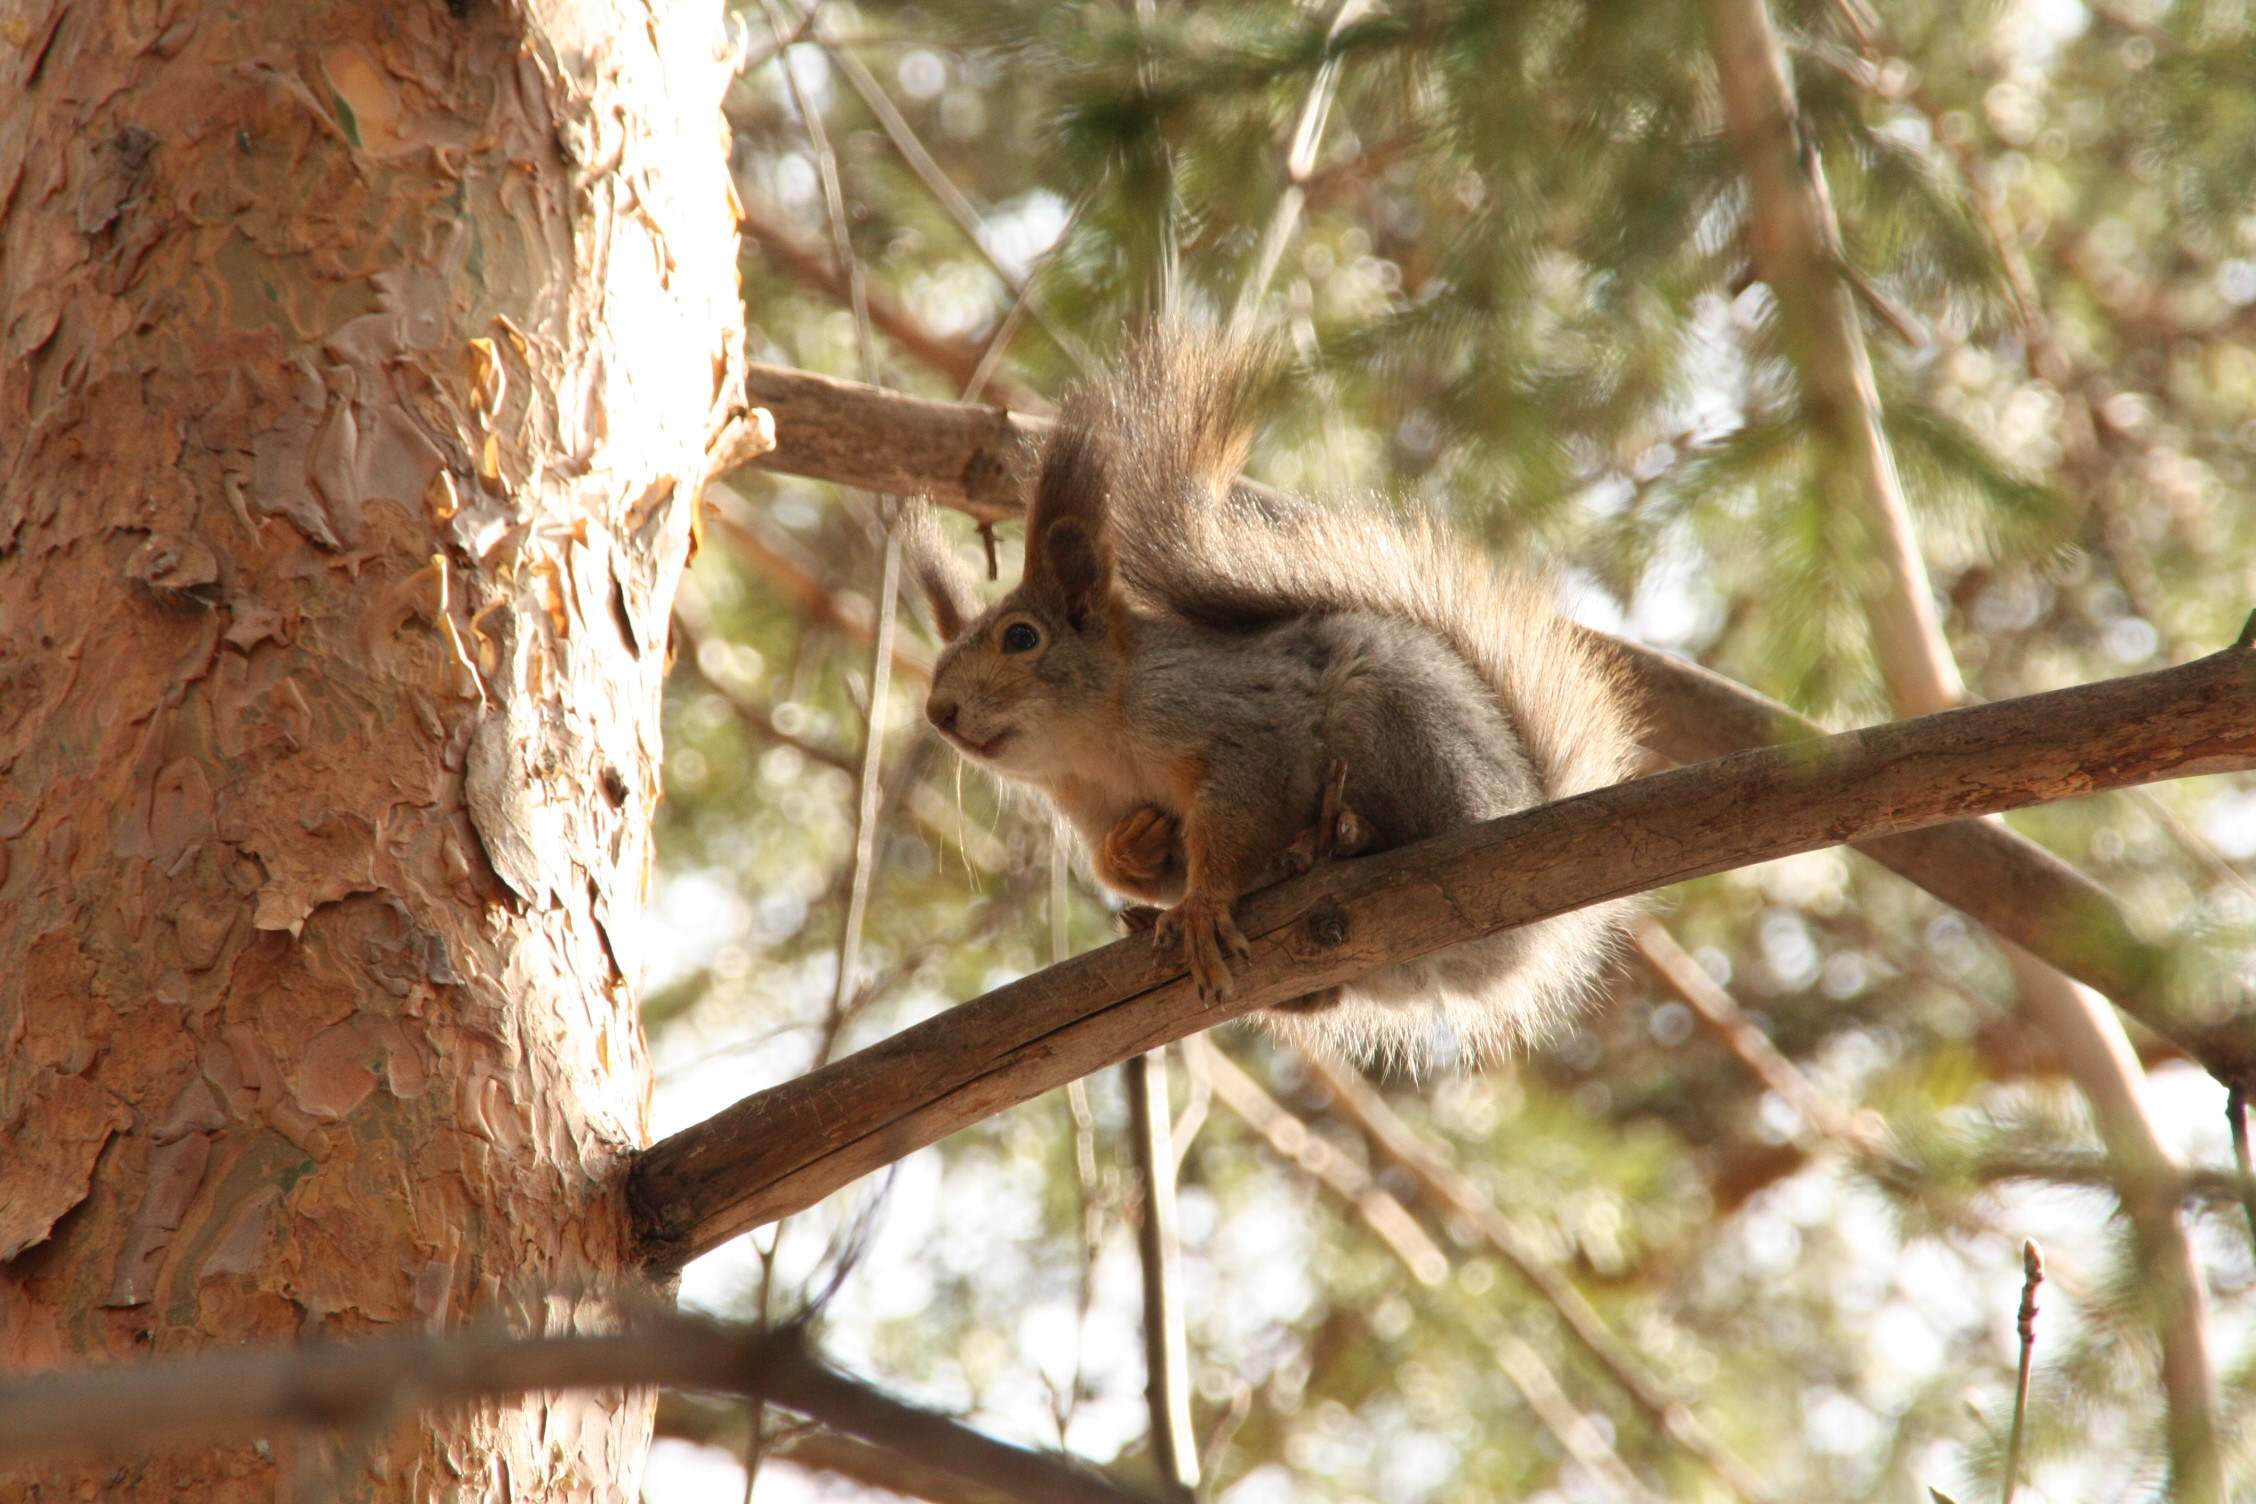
x=1077 y=566
x=1068 y=546
x=950 y=590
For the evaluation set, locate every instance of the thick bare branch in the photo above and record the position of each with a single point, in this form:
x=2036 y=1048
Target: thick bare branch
x=787 y=1147
x=961 y=455
x=965 y=456
x=131 y=1407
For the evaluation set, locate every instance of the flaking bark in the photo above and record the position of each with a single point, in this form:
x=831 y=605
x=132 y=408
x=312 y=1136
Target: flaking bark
x=362 y=364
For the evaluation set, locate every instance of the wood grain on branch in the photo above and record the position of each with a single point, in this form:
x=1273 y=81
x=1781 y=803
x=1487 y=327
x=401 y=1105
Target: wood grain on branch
x=960 y=455
x=964 y=456
x=785 y=1148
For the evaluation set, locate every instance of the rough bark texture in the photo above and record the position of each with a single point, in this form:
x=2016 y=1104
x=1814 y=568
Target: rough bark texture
x=785 y=1148
x=360 y=367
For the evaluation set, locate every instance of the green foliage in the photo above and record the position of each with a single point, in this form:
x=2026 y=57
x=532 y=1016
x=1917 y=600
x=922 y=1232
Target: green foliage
x=1521 y=292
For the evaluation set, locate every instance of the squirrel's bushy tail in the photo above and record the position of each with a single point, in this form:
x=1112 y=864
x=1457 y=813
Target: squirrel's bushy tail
x=1179 y=419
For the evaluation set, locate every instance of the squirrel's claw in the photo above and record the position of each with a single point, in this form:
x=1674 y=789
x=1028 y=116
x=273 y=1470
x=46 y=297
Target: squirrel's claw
x=1208 y=936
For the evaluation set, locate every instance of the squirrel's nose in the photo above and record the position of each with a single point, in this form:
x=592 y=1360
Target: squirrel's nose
x=941 y=713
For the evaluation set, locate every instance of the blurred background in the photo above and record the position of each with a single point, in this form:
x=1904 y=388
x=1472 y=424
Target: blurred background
x=1515 y=248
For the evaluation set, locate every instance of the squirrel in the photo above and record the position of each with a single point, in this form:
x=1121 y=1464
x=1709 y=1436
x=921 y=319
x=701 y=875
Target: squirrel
x=1190 y=676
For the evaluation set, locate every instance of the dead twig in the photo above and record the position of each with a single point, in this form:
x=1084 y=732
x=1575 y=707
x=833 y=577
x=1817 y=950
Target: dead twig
x=1167 y=1369
x=2236 y=1117
x=1449 y=1188
x=2032 y=1275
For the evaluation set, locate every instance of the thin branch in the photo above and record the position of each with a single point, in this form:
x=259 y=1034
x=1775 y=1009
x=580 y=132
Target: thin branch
x=1690 y=982
x=787 y=1147
x=862 y=858
x=955 y=358
x=1084 y=1157
x=1389 y=1221
x=1797 y=246
x=1300 y=162
x=2032 y=1275
x=128 y=1408
x=2223 y=1190
x=694 y=631
x=1533 y=1378
x=2236 y=1118
x=1394 y=1226
x=1449 y=1188
x=1167 y=1365
x=1797 y=250
x=938 y=184
x=866 y=804
x=1859 y=1135
x=752 y=542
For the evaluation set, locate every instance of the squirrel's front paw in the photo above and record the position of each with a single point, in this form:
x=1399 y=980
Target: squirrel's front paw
x=1208 y=936
x=1138 y=849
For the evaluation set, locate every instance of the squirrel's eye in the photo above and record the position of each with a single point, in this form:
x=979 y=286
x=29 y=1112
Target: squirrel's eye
x=1020 y=637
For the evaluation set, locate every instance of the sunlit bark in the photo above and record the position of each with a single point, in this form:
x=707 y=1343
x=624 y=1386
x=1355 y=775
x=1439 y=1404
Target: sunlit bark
x=361 y=366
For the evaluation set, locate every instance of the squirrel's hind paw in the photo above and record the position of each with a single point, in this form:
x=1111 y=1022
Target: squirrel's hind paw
x=1338 y=831
x=1208 y=936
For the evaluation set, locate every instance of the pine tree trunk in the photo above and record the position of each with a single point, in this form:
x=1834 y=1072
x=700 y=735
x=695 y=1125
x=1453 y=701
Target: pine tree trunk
x=360 y=364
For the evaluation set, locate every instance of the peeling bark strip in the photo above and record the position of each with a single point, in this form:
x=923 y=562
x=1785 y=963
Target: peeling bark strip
x=358 y=368
x=785 y=1148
